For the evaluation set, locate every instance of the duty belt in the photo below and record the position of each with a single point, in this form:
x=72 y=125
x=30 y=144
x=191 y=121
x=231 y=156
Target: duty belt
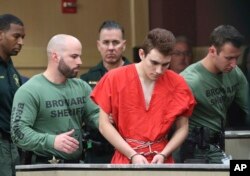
x=52 y=160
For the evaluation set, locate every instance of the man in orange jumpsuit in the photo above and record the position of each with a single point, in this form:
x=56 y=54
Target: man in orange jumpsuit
x=145 y=100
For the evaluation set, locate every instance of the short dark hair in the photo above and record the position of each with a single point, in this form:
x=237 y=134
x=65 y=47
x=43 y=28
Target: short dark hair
x=184 y=39
x=110 y=24
x=160 y=39
x=7 y=19
x=225 y=34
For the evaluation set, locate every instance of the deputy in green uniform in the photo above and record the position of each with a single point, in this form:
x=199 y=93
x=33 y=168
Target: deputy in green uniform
x=49 y=110
x=111 y=44
x=216 y=81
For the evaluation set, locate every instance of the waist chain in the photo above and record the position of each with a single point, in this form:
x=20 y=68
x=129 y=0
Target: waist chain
x=145 y=144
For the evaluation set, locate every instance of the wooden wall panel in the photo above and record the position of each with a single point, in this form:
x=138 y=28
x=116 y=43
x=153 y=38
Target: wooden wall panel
x=43 y=19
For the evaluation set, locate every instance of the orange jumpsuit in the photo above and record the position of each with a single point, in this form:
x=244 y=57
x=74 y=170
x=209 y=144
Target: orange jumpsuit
x=120 y=94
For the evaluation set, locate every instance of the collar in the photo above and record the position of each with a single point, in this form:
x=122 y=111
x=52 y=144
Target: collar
x=9 y=62
x=100 y=65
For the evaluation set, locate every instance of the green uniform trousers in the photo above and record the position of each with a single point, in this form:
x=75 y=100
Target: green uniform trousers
x=212 y=154
x=9 y=157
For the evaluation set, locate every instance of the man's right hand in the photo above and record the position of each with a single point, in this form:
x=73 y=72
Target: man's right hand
x=139 y=159
x=65 y=143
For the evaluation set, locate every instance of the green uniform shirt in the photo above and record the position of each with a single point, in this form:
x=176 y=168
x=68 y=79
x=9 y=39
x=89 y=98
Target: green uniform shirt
x=214 y=93
x=41 y=110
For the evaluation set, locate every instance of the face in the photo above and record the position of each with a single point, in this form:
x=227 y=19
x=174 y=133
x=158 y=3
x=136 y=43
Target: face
x=226 y=60
x=154 y=64
x=70 y=61
x=111 y=45
x=181 y=57
x=11 y=41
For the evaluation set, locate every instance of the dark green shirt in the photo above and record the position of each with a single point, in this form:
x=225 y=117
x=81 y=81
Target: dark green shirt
x=96 y=73
x=9 y=82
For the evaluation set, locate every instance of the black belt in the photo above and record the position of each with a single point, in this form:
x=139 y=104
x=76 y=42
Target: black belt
x=52 y=160
x=5 y=136
x=215 y=139
x=100 y=148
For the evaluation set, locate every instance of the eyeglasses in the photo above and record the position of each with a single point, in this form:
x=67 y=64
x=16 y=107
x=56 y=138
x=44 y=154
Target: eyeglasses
x=181 y=53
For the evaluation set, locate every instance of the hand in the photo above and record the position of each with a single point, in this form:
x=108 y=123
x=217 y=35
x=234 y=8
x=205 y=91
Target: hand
x=65 y=143
x=158 y=159
x=139 y=159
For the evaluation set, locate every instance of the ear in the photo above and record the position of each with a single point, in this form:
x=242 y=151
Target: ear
x=55 y=57
x=212 y=50
x=98 y=44
x=124 y=45
x=141 y=53
x=1 y=34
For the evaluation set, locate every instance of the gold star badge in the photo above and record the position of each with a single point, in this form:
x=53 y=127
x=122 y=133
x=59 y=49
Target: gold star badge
x=53 y=160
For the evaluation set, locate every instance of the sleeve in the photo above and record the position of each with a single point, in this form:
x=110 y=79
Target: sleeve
x=101 y=94
x=23 y=117
x=184 y=98
x=191 y=79
x=242 y=94
x=91 y=114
